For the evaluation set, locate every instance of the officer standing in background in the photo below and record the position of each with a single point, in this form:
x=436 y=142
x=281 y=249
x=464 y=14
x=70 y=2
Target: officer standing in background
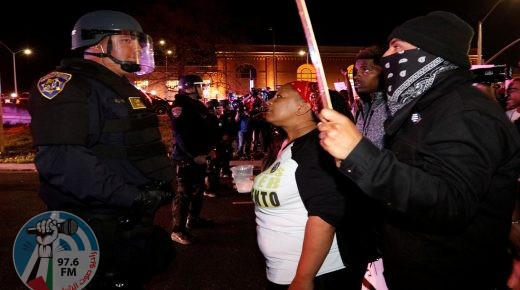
x=99 y=153
x=226 y=121
x=214 y=164
x=195 y=131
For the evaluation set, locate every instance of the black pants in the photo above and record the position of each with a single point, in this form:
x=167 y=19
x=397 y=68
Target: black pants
x=130 y=253
x=189 y=195
x=224 y=154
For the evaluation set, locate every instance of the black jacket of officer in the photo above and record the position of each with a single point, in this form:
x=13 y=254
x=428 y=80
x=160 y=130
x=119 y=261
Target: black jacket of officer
x=97 y=141
x=195 y=128
x=99 y=149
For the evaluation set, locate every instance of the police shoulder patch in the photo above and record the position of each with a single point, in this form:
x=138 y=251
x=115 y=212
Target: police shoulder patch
x=176 y=112
x=53 y=83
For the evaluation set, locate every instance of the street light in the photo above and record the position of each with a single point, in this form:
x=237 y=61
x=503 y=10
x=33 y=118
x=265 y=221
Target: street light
x=165 y=53
x=479 y=35
x=168 y=52
x=274 y=56
x=13 y=53
x=25 y=51
x=302 y=53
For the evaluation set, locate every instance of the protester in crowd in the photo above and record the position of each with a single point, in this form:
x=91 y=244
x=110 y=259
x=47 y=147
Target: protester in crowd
x=448 y=172
x=219 y=166
x=195 y=131
x=244 y=132
x=513 y=114
x=304 y=219
x=254 y=104
x=370 y=118
x=278 y=135
x=369 y=85
x=99 y=153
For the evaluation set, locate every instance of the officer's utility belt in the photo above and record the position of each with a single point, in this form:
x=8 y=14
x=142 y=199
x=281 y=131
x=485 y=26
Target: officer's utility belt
x=134 y=152
x=188 y=163
x=125 y=226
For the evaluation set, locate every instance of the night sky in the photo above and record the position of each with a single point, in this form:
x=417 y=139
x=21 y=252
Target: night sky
x=46 y=29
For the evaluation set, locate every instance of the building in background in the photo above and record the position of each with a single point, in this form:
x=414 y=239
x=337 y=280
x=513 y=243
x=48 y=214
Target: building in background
x=239 y=68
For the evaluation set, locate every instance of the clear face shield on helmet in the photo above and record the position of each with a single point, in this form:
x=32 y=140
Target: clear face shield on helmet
x=132 y=50
x=195 y=88
x=200 y=87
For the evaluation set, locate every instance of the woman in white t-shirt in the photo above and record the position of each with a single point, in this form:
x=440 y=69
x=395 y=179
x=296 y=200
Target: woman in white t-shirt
x=301 y=202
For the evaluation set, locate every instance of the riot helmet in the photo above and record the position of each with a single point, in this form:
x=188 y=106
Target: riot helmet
x=193 y=82
x=190 y=81
x=92 y=27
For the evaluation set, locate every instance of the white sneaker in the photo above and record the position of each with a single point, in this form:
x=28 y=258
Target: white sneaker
x=209 y=194
x=181 y=238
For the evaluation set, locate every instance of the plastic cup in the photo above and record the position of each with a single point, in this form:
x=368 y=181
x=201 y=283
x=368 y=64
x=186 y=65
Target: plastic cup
x=243 y=177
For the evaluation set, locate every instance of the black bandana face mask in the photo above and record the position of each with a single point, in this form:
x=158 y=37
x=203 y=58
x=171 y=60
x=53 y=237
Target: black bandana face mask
x=409 y=74
x=400 y=69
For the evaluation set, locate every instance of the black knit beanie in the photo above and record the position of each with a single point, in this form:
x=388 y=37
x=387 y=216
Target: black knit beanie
x=440 y=33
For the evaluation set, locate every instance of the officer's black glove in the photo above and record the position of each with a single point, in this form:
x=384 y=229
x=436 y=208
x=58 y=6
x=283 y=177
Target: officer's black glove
x=151 y=196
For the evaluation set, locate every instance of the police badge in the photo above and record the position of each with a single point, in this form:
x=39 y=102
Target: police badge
x=176 y=112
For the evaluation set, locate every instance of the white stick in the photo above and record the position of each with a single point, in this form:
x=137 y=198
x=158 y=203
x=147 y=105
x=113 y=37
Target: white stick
x=315 y=54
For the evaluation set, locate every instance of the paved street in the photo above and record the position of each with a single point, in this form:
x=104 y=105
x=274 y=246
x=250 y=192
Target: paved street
x=223 y=257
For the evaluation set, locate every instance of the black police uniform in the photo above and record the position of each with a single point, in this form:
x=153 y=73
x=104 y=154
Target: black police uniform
x=98 y=144
x=195 y=131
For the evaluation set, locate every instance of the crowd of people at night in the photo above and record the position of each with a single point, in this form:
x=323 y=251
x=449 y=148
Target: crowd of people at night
x=414 y=167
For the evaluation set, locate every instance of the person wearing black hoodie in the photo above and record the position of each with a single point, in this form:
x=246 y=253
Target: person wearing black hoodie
x=447 y=172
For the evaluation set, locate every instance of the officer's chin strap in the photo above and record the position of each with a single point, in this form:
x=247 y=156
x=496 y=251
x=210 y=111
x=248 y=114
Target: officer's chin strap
x=195 y=96
x=128 y=66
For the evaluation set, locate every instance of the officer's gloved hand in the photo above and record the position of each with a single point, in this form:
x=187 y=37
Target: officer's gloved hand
x=151 y=196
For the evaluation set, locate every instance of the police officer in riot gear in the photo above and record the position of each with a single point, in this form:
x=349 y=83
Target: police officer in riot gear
x=195 y=132
x=99 y=149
